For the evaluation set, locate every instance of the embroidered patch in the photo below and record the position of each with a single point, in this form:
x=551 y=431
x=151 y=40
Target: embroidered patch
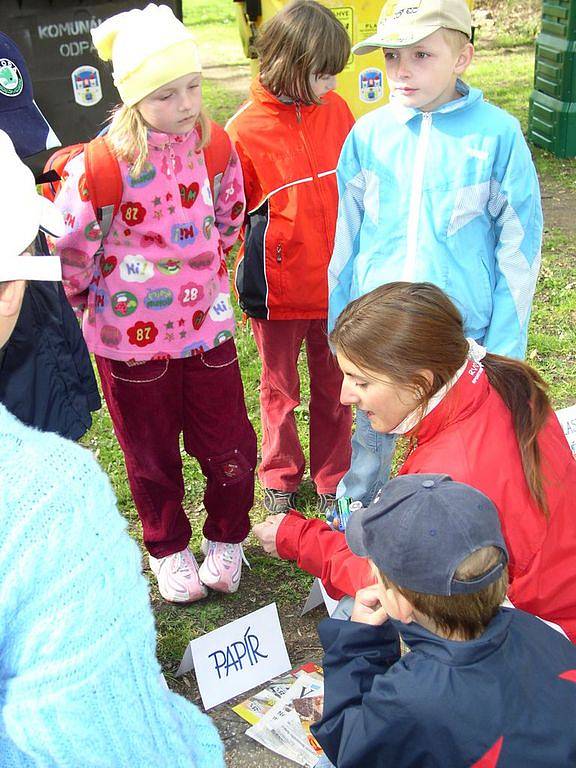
x=188 y=194
x=11 y=81
x=132 y=213
x=169 y=266
x=142 y=334
x=110 y=335
x=190 y=293
x=202 y=260
x=158 y=298
x=124 y=303
x=107 y=265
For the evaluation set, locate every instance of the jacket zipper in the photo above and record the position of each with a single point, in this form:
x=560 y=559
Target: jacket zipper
x=314 y=172
x=172 y=156
x=416 y=198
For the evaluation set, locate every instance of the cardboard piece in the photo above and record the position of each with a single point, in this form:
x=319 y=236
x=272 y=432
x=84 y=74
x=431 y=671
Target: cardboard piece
x=567 y=419
x=238 y=656
x=316 y=597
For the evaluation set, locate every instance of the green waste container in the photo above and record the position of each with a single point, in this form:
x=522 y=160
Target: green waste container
x=552 y=111
x=72 y=86
x=559 y=19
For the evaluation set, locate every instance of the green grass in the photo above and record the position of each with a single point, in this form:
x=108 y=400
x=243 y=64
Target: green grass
x=505 y=76
x=215 y=29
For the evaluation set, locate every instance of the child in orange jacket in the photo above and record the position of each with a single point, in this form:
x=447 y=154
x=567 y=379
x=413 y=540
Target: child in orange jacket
x=288 y=137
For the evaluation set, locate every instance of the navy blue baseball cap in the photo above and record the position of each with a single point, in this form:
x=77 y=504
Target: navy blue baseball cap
x=20 y=117
x=419 y=529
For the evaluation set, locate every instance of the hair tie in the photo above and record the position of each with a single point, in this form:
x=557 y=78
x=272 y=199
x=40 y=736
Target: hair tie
x=476 y=352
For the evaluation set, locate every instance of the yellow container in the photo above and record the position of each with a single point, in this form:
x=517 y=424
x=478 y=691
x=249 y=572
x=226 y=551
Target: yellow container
x=363 y=81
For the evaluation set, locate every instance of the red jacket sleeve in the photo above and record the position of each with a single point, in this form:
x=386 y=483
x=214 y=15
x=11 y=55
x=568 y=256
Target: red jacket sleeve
x=323 y=552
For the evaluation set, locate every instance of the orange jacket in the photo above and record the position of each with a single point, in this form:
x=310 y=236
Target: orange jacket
x=289 y=154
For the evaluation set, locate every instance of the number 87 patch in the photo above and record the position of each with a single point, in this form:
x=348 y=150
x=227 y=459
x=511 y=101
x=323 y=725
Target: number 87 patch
x=141 y=334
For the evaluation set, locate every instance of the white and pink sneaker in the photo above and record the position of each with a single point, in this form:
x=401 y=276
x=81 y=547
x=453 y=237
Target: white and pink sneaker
x=222 y=567
x=178 y=579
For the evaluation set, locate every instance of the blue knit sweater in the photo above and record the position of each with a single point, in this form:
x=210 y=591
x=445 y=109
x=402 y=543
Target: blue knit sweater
x=79 y=679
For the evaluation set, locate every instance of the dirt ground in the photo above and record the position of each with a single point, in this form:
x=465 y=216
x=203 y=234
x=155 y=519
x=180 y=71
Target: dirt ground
x=559 y=208
x=302 y=644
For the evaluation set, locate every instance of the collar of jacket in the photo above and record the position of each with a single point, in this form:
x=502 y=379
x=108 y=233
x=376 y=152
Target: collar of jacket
x=266 y=99
x=469 y=97
x=453 y=652
x=466 y=396
x=160 y=140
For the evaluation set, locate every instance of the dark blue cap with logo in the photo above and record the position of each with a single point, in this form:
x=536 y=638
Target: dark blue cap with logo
x=20 y=117
x=420 y=528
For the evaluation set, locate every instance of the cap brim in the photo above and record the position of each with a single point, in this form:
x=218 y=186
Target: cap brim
x=29 y=130
x=25 y=267
x=51 y=220
x=397 y=38
x=355 y=533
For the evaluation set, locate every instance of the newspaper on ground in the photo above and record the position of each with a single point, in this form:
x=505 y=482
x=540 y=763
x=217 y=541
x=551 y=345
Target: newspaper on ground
x=281 y=714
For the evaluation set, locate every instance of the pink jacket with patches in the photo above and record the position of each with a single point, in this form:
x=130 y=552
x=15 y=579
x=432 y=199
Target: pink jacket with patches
x=160 y=289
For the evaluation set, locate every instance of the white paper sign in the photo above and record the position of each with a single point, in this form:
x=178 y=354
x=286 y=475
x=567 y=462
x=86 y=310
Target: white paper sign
x=239 y=656
x=567 y=419
x=316 y=597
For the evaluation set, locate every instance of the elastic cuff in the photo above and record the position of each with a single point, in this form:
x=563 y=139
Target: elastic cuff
x=288 y=535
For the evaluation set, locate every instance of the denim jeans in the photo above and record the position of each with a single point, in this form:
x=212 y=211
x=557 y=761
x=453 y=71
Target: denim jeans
x=370 y=465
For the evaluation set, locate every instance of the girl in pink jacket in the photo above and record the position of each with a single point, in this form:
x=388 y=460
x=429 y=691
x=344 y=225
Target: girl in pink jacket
x=158 y=316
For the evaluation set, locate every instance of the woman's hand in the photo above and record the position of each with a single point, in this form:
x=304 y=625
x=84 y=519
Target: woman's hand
x=367 y=608
x=266 y=533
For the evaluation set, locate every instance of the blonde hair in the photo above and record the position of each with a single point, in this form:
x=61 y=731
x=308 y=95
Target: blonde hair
x=128 y=135
x=455 y=39
x=466 y=615
x=301 y=40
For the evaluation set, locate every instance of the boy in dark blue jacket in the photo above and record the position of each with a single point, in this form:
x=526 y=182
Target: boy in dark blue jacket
x=482 y=685
x=46 y=379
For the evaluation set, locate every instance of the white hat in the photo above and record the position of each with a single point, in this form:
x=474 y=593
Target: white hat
x=406 y=22
x=22 y=213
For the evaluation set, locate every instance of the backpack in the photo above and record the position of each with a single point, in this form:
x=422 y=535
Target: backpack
x=103 y=180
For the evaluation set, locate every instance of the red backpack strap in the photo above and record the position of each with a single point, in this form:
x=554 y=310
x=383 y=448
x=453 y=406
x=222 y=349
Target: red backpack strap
x=217 y=155
x=103 y=181
x=51 y=178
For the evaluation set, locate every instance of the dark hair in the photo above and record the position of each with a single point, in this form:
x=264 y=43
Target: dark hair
x=465 y=615
x=402 y=329
x=301 y=40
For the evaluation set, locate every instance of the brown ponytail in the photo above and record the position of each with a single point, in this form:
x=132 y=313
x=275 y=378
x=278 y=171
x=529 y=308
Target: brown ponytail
x=524 y=394
x=402 y=329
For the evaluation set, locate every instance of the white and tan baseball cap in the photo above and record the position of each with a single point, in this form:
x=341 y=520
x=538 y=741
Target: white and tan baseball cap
x=22 y=213
x=406 y=22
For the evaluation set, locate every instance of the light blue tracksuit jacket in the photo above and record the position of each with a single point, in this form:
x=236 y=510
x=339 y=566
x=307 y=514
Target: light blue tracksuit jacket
x=449 y=197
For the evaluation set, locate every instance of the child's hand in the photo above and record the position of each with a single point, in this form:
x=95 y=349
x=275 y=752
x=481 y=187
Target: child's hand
x=266 y=533
x=367 y=608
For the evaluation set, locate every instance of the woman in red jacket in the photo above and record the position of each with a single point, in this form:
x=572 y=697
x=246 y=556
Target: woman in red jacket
x=483 y=419
x=288 y=137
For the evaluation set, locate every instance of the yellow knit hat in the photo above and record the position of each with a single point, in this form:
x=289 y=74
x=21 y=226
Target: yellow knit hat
x=148 y=49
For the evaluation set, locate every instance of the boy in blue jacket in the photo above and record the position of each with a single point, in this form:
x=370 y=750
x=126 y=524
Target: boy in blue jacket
x=482 y=686
x=436 y=186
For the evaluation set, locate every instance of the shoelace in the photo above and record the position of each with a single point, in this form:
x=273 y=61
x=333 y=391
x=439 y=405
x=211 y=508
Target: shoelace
x=183 y=566
x=285 y=495
x=228 y=554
